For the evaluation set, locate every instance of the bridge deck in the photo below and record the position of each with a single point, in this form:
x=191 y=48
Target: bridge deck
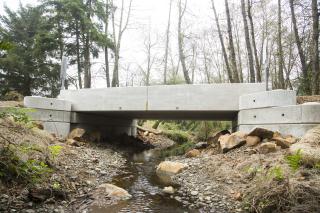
x=208 y=101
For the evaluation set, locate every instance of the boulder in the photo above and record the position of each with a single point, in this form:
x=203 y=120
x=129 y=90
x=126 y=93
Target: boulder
x=261 y=133
x=201 y=145
x=73 y=142
x=166 y=169
x=113 y=192
x=309 y=146
x=229 y=142
x=215 y=137
x=168 y=190
x=38 y=124
x=77 y=134
x=284 y=143
x=240 y=134
x=193 y=153
x=267 y=147
x=252 y=140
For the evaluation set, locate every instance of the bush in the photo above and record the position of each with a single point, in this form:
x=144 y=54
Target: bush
x=19 y=115
x=13 y=96
x=14 y=169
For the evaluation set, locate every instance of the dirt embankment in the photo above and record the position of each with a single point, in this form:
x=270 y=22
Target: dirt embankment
x=269 y=175
x=41 y=173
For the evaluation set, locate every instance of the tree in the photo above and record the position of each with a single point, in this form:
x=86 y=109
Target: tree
x=304 y=67
x=224 y=52
x=29 y=67
x=248 y=44
x=117 y=37
x=150 y=59
x=231 y=46
x=281 y=84
x=182 y=57
x=254 y=46
x=315 y=48
x=167 y=46
x=106 y=52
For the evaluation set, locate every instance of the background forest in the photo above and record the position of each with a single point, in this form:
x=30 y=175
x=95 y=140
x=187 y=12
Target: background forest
x=247 y=41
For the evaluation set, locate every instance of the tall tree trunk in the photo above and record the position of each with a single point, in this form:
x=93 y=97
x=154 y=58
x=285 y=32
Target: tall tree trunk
x=78 y=54
x=87 y=64
x=247 y=38
x=253 y=39
x=106 y=52
x=231 y=46
x=303 y=62
x=182 y=57
x=315 y=48
x=281 y=84
x=225 y=57
x=167 y=46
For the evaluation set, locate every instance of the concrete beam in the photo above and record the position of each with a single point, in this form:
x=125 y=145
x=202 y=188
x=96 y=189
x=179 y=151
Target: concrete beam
x=271 y=98
x=47 y=103
x=295 y=114
x=49 y=115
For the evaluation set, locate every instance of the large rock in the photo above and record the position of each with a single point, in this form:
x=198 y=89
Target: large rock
x=252 y=140
x=228 y=142
x=76 y=134
x=193 y=153
x=166 y=169
x=309 y=146
x=215 y=137
x=113 y=192
x=201 y=145
x=261 y=133
x=284 y=142
x=267 y=147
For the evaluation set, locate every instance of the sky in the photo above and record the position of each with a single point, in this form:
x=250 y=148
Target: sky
x=147 y=15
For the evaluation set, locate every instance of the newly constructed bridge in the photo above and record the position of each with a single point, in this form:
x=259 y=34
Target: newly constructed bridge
x=115 y=109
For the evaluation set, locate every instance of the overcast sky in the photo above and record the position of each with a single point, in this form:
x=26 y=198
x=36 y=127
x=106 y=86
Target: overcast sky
x=146 y=15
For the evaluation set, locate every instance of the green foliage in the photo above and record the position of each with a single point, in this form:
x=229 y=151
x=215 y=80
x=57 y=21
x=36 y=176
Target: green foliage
x=317 y=166
x=178 y=136
x=178 y=149
x=276 y=173
x=55 y=150
x=19 y=115
x=13 y=168
x=56 y=185
x=294 y=160
x=29 y=66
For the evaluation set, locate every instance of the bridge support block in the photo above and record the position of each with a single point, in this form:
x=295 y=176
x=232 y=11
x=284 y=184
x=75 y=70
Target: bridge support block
x=58 y=118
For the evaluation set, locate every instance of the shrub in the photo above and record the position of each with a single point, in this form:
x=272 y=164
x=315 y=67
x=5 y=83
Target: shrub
x=55 y=151
x=19 y=115
x=13 y=168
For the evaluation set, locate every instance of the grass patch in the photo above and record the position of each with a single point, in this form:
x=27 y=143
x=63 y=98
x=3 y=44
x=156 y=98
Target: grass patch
x=295 y=160
x=177 y=136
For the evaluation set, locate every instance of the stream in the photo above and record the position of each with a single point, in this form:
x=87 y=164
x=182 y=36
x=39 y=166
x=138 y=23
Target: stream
x=140 y=180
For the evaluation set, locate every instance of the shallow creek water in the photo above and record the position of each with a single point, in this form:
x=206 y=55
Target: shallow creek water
x=142 y=183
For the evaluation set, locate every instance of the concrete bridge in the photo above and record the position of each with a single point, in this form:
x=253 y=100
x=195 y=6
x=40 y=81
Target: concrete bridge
x=114 y=110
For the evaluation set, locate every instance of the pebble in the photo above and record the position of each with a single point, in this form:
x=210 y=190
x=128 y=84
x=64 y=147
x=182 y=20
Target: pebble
x=194 y=193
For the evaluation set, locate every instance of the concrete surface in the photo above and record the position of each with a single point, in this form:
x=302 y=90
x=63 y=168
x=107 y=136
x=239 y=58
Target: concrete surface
x=47 y=103
x=293 y=114
x=296 y=130
x=60 y=129
x=212 y=101
x=271 y=98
